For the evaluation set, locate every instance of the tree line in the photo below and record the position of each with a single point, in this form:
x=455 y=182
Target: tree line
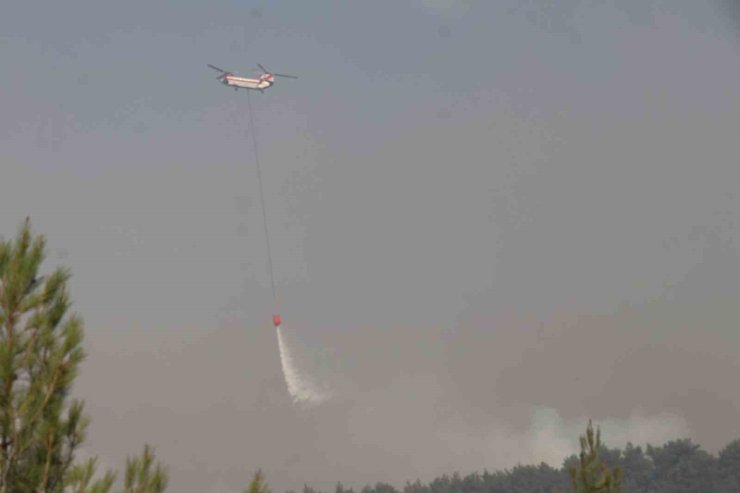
x=42 y=428
x=679 y=466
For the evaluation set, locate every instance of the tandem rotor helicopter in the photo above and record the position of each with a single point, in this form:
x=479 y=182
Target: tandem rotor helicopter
x=265 y=80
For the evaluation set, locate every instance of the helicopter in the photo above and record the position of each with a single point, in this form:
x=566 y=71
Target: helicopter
x=265 y=80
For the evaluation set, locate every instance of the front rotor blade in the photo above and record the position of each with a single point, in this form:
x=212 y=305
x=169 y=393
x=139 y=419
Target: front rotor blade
x=216 y=68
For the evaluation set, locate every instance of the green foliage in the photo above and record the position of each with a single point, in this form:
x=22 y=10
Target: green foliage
x=728 y=467
x=40 y=354
x=638 y=469
x=380 y=488
x=141 y=478
x=79 y=479
x=593 y=475
x=341 y=489
x=41 y=428
x=258 y=484
x=681 y=466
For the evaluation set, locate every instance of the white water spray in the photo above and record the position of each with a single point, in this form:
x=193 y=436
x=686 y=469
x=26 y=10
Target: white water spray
x=301 y=389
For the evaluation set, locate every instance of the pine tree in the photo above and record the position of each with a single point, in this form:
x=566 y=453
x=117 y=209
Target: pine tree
x=80 y=479
x=41 y=428
x=258 y=484
x=592 y=475
x=140 y=478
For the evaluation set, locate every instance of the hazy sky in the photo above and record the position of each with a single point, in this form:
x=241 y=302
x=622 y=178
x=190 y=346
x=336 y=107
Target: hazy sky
x=490 y=221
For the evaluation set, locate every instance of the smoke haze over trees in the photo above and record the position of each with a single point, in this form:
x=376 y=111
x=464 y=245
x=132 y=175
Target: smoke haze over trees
x=678 y=466
x=41 y=432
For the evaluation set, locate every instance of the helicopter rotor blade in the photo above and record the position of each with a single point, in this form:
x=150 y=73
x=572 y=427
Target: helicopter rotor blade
x=285 y=75
x=216 y=68
x=263 y=69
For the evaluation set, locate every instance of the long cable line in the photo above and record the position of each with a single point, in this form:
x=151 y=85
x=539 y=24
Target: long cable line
x=253 y=131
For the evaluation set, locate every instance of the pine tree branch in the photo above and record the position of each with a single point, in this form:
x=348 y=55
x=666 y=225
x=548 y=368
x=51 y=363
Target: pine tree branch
x=8 y=434
x=47 y=464
x=18 y=450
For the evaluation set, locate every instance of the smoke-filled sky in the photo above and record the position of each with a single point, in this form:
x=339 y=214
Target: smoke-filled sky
x=490 y=222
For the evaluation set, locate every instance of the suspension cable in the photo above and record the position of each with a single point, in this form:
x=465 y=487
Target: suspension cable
x=253 y=131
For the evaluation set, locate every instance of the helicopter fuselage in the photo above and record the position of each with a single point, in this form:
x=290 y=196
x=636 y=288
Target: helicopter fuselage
x=265 y=80
x=245 y=83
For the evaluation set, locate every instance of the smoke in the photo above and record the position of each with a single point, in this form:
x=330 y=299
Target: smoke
x=302 y=389
x=551 y=438
x=414 y=428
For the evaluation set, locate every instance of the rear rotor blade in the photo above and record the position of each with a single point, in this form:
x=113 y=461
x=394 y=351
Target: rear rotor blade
x=284 y=75
x=216 y=68
x=263 y=69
